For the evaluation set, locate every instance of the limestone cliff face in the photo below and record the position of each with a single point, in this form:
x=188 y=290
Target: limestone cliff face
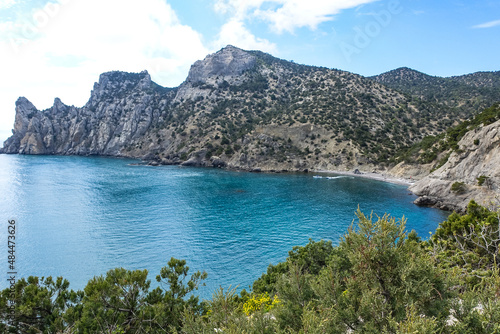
x=122 y=107
x=479 y=155
x=24 y=111
x=227 y=64
x=216 y=71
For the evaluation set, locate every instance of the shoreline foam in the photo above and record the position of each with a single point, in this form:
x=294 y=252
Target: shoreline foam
x=370 y=175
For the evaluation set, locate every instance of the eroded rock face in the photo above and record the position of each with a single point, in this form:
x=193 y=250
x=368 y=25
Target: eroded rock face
x=227 y=63
x=479 y=155
x=121 y=108
x=224 y=67
x=124 y=114
x=24 y=111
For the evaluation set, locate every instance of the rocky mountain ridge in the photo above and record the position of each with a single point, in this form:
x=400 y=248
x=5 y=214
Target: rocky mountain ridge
x=237 y=109
x=121 y=108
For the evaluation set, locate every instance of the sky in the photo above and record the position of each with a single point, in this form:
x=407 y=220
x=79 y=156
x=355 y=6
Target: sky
x=58 y=48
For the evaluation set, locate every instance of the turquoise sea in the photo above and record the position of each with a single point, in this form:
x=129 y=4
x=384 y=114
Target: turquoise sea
x=78 y=217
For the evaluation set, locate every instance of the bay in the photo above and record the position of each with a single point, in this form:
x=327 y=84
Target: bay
x=78 y=217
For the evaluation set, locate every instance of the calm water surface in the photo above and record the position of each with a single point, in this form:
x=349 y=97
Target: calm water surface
x=78 y=217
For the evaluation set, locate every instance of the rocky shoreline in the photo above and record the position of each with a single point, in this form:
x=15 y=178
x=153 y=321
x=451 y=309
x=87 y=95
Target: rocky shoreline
x=434 y=189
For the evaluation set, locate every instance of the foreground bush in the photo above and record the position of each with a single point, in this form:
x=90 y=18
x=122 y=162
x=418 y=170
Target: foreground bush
x=379 y=279
x=119 y=302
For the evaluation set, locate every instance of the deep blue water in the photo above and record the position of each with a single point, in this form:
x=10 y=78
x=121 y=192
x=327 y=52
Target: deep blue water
x=78 y=217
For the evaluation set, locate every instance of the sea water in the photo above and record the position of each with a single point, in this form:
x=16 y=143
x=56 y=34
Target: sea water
x=78 y=217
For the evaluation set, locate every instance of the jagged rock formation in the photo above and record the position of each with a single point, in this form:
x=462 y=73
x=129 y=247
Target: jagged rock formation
x=457 y=182
x=121 y=109
x=237 y=109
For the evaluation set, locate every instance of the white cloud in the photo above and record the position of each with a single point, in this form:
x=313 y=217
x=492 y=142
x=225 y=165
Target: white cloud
x=235 y=33
x=287 y=15
x=299 y=13
x=238 y=8
x=6 y=4
x=489 y=24
x=60 y=50
x=280 y=15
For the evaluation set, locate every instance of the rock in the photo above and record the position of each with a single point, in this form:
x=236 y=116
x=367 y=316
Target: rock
x=357 y=172
x=118 y=114
x=218 y=70
x=168 y=162
x=217 y=162
x=192 y=162
x=410 y=171
x=425 y=201
x=25 y=110
x=466 y=166
x=225 y=64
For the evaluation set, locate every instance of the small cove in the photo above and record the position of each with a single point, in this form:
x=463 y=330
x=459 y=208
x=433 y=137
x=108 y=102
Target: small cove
x=80 y=216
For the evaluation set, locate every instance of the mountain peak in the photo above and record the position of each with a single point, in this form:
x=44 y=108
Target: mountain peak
x=231 y=48
x=230 y=61
x=400 y=74
x=23 y=105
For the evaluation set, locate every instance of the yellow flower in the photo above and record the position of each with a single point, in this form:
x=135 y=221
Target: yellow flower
x=260 y=302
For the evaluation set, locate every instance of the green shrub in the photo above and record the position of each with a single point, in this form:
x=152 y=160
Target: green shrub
x=458 y=187
x=481 y=179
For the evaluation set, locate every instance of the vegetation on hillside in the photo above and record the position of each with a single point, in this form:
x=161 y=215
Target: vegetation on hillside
x=437 y=149
x=464 y=95
x=272 y=114
x=378 y=279
x=346 y=113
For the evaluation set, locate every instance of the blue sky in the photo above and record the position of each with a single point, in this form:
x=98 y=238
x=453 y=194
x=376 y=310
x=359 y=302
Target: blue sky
x=58 y=48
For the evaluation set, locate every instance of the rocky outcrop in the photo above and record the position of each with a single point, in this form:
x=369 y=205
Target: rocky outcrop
x=227 y=64
x=121 y=109
x=410 y=171
x=457 y=182
x=18 y=142
x=216 y=71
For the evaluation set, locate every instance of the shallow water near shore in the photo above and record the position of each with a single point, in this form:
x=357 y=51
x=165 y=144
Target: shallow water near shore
x=78 y=217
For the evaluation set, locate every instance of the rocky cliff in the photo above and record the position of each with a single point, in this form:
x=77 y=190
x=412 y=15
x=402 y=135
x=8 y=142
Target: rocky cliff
x=237 y=108
x=121 y=109
x=472 y=172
